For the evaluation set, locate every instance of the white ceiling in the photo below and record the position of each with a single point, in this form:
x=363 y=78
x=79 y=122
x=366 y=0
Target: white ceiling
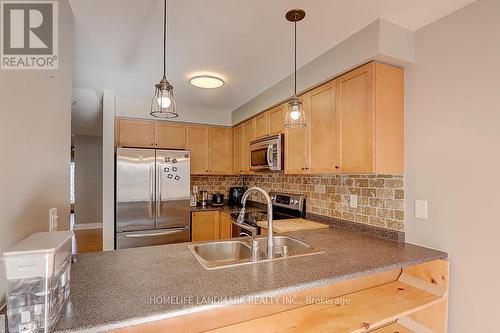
x=118 y=43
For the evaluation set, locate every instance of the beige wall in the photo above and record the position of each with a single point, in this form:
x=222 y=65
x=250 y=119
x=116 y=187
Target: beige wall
x=35 y=144
x=453 y=156
x=88 y=179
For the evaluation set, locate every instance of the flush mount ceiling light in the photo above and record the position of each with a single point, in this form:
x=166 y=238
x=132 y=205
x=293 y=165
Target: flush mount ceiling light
x=295 y=116
x=207 y=81
x=163 y=103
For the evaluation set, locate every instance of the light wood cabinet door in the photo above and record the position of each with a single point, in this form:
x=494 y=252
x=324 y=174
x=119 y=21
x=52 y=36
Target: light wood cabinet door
x=220 y=154
x=389 y=119
x=170 y=135
x=324 y=138
x=197 y=143
x=277 y=120
x=225 y=226
x=136 y=133
x=356 y=105
x=262 y=125
x=296 y=144
x=238 y=149
x=249 y=135
x=204 y=226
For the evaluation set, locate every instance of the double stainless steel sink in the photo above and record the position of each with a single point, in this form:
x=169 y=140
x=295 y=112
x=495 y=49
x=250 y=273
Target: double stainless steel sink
x=235 y=252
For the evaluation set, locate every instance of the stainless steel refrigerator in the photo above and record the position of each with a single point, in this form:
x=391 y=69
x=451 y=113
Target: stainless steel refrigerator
x=152 y=197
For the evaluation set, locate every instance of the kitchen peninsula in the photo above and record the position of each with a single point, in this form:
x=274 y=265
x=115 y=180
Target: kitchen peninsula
x=164 y=288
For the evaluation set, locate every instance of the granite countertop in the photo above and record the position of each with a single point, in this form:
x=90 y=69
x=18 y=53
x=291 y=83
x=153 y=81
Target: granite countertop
x=115 y=289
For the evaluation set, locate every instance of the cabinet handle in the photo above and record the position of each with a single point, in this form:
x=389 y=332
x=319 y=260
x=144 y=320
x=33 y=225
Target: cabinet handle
x=337 y=167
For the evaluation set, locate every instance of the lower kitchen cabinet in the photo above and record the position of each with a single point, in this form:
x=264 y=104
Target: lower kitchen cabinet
x=225 y=226
x=211 y=225
x=204 y=226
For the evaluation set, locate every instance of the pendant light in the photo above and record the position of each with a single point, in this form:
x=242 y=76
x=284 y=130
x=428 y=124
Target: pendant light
x=295 y=116
x=163 y=103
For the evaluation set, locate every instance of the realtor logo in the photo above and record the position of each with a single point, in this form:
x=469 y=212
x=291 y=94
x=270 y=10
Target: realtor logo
x=29 y=34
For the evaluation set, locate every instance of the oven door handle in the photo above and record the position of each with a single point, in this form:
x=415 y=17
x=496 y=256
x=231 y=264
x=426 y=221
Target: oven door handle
x=243 y=226
x=246 y=228
x=269 y=155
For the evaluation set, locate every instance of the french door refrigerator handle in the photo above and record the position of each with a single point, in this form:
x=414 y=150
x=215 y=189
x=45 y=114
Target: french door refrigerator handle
x=168 y=232
x=158 y=197
x=151 y=190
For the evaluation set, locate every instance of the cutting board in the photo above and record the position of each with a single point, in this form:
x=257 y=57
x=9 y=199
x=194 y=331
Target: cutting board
x=289 y=225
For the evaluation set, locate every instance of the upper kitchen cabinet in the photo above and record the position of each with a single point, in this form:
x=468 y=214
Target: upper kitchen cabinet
x=276 y=118
x=370 y=105
x=211 y=149
x=170 y=135
x=197 y=143
x=296 y=145
x=150 y=134
x=220 y=154
x=270 y=122
x=238 y=153
x=315 y=148
x=323 y=151
x=136 y=133
x=262 y=125
x=248 y=136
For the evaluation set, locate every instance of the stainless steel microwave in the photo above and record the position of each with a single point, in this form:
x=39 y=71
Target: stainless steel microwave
x=266 y=154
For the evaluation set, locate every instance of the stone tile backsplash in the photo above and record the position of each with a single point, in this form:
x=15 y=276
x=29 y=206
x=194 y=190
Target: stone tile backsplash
x=380 y=197
x=216 y=184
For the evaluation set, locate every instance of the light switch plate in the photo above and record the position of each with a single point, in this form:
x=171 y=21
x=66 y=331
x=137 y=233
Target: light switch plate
x=421 y=209
x=353 y=201
x=53 y=217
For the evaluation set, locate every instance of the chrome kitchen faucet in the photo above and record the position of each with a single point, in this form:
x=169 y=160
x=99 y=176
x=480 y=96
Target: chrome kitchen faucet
x=241 y=217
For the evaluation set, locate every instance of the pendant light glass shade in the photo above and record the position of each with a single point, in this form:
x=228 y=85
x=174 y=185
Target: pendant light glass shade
x=163 y=103
x=295 y=116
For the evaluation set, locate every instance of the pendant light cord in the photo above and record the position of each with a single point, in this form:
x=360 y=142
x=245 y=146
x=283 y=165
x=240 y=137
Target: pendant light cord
x=295 y=79
x=165 y=39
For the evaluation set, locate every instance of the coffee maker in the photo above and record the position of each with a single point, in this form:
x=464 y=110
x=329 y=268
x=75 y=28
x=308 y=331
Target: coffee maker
x=235 y=195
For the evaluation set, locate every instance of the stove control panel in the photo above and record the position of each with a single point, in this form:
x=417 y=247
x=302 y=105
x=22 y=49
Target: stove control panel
x=290 y=201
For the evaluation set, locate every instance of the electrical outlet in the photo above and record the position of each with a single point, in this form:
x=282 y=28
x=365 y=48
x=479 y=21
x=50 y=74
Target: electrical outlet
x=53 y=217
x=421 y=209
x=353 y=201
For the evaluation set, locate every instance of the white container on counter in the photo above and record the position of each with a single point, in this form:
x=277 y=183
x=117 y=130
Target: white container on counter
x=38 y=274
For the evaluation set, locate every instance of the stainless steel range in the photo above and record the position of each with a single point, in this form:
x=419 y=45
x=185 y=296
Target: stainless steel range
x=285 y=206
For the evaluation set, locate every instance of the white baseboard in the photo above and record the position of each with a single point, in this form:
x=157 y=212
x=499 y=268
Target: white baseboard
x=87 y=226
